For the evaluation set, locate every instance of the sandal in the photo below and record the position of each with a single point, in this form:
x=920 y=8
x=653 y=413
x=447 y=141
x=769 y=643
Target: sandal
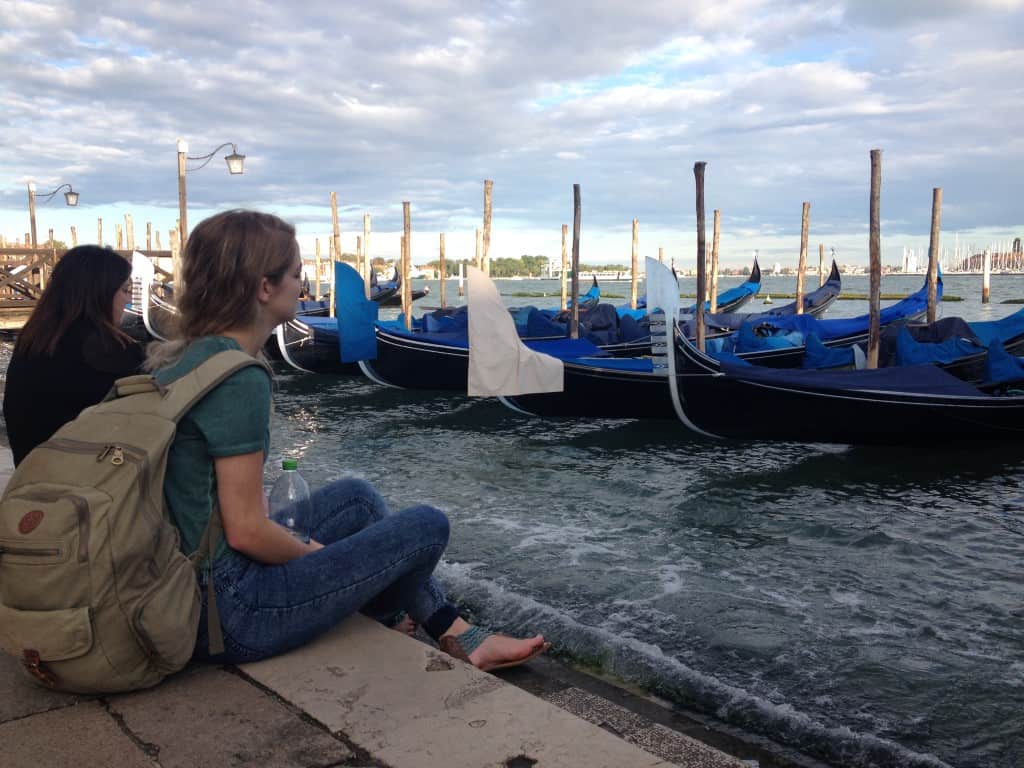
x=460 y=646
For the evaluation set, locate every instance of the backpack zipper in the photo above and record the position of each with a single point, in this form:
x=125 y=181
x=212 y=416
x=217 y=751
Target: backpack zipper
x=117 y=454
x=84 y=522
x=25 y=552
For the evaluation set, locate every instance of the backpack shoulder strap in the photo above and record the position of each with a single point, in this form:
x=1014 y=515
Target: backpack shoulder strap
x=185 y=392
x=181 y=395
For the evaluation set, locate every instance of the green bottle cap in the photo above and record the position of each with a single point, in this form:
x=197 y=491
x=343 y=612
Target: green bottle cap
x=290 y=464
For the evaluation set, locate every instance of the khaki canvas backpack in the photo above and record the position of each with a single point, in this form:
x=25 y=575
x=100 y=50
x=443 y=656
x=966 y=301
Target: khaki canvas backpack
x=95 y=594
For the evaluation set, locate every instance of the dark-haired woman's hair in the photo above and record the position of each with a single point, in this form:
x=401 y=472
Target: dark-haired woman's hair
x=80 y=292
x=225 y=259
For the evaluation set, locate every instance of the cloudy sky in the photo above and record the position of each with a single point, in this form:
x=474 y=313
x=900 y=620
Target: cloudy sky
x=421 y=100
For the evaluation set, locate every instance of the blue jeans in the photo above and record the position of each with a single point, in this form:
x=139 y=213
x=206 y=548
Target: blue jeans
x=373 y=561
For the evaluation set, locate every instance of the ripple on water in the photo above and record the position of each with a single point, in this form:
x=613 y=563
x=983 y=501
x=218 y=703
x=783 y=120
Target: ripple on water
x=859 y=604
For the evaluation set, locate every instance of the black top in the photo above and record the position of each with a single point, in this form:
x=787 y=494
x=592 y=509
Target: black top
x=44 y=393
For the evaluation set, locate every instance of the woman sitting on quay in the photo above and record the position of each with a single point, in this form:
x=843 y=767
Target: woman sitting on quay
x=72 y=349
x=243 y=276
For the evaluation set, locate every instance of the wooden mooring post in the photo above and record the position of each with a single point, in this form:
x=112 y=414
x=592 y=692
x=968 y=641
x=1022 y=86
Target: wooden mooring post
x=176 y=266
x=698 y=176
x=565 y=266
x=801 y=269
x=335 y=248
x=634 y=264
x=488 y=189
x=157 y=237
x=74 y=237
x=31 y=237
x=367 y=266
x=821 y=264
x=99 y=231
x=442 y=268
x=577 y=210
x=359 y=256
x=661 y=255
x=713 y=292
x=407 y=265
x=119 y=237
x=933 y=253
x=129 y=231
x=149 y=236
x=986 y=275
x=875 y=258
x=318 y=266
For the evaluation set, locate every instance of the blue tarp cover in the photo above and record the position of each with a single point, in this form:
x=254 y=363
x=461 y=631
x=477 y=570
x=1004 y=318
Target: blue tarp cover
x=329 y=324
x=1001 y=366
x=565 y=349
x=459 y=339
x=909 y=351
x=914 y=379
x=837 y=328
x=817 y=355
x=1007 y=328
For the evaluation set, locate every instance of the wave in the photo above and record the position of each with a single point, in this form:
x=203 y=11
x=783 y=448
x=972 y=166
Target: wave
x=642 y=663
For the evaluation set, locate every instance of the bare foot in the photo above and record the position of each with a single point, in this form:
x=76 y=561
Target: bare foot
x=502 y=651
x=406 y=626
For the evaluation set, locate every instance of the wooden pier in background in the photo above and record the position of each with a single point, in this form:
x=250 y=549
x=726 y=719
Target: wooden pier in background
x=25 y=271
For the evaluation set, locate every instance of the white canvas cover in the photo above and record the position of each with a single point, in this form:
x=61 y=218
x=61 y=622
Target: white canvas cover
x=499 y=363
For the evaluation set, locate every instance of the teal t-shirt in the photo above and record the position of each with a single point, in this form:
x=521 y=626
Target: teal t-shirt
x=231 y=420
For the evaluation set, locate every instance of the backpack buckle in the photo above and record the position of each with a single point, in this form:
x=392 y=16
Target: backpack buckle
x=35 y=667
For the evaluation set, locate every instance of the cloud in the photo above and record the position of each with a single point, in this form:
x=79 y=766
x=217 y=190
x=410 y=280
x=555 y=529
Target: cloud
x=415 y=100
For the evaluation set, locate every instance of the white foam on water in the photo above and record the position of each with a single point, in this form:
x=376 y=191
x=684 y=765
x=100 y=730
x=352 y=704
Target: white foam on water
x=851 y=599
x=637 y=661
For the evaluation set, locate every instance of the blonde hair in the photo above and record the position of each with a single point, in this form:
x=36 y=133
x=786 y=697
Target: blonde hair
x=226 y=257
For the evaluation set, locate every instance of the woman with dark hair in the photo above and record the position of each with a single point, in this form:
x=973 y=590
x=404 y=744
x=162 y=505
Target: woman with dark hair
x=275 y=591
x=72 y=349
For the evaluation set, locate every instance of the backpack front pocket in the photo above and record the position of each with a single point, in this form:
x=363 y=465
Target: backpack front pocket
x=166 y=619
x=54 y=635
x=40 y=638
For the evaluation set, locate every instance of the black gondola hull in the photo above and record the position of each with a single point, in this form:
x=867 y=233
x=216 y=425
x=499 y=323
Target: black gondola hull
x=311 y=349
x=592 y=392
x=734 y=407
x=415 y=364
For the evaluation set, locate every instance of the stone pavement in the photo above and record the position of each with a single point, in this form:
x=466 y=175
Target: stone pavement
x=361 y=695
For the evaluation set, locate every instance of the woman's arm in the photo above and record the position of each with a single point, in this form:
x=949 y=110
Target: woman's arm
x=243 y=509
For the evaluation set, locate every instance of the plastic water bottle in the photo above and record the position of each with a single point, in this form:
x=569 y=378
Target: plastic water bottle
x=291 y=493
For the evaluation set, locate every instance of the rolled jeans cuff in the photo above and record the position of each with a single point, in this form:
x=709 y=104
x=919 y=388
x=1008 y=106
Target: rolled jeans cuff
x=442 y=619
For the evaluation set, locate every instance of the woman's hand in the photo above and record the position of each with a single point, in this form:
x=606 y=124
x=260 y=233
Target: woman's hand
x=243 y=510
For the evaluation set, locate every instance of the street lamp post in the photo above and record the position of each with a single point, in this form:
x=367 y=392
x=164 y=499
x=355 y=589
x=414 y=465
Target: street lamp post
x=236 y=166
x=70 y=199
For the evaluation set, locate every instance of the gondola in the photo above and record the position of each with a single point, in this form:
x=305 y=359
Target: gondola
x=424 y=360
x=311 y=345
x=414 y=360
x=730 y=398
x=728 y=301
x=390 y=291
x=907 y=404
x=733 y=299
x=777 y=341
x=630 y=388
x=815 y=304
